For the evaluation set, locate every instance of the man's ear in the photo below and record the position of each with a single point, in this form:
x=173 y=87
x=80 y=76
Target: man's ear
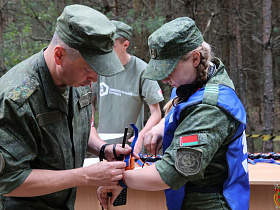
x=126 y=44
x=59 y=54
x=196 y=58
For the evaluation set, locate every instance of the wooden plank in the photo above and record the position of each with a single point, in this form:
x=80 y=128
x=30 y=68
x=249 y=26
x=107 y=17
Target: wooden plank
x=264 y=174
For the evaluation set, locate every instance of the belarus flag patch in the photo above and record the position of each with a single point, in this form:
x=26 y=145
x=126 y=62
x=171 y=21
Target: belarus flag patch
x=188 y=140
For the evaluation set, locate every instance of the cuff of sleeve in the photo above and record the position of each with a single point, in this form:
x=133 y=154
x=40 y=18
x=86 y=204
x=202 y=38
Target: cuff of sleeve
x=11 y=180
x=155 y=101
x=169 y=175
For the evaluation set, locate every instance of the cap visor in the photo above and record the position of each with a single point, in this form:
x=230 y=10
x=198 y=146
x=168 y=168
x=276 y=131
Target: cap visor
x=106 y=64
x=160 y=69
x=117 y=36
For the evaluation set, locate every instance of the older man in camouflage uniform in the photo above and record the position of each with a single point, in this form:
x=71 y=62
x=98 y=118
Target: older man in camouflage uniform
x=45 y=116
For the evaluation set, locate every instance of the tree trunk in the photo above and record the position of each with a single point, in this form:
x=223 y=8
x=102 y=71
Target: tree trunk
x=141 y=37
x=242 y=85
x=276 y=62
x=153 y=7
x=221 y=43
x=137 y=6
x=106 y=6
x=233 y=70
x=168 y=10
x=140 y=48
x=268 y=126
x=2 y=61
x=116 y=8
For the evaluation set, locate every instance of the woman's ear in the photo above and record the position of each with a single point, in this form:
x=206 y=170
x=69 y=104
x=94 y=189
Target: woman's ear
x=196 y=58
x=59 y=54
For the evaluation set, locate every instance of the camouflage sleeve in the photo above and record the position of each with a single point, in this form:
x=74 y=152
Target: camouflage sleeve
x=202 y=130
x=17 y=145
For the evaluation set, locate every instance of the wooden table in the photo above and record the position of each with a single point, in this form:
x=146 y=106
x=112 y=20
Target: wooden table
x=136 y=199
x=263 y=177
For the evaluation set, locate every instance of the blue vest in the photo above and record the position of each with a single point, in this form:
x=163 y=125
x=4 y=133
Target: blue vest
x=238 y=180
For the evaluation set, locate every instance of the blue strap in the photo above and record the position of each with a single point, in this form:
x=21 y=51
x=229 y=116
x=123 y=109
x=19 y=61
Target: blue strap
x=122 y=184
x=135 y=137
x=150 y=163
x=139 y=162
x=251 y=161
x=262 y=160
x=127 y=157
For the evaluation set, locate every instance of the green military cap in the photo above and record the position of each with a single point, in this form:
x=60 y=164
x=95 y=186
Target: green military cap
x=92 y=33
x=122 y=30
x=168 y=44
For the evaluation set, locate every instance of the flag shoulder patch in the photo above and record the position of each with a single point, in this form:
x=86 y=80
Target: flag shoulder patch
x=188 y=140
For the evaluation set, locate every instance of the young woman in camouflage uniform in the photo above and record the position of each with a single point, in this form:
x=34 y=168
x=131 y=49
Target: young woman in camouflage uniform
x=204 y=165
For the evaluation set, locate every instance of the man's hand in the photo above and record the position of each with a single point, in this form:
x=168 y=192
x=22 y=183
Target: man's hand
x=109 y=154
x=104 y=173
x=38 y=182
x=102 y=195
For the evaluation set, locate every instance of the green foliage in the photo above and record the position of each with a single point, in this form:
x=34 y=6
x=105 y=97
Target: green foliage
x=31 y=30
x=153 y=24
x=276 y=29
x=34 y=24
x=144 y=22
x=18 y=45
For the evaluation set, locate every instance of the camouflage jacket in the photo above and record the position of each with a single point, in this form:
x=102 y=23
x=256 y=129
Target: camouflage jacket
x=35 y=131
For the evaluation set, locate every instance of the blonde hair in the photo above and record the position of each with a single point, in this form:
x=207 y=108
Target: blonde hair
x=202 y=69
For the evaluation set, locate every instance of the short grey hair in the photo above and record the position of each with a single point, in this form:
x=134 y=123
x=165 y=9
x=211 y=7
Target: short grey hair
x=71 y=52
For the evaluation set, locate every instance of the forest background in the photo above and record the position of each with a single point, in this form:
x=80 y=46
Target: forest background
x=245 y=35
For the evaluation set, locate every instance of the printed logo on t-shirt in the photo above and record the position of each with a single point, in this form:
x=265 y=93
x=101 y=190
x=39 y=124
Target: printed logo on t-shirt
x=105 y=90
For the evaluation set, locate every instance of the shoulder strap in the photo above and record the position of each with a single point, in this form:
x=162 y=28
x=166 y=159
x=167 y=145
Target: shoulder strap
x=211 y=94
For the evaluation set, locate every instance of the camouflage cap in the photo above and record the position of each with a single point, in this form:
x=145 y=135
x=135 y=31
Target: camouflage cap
x=168 y=44
x=92 y=33
x=122 y=30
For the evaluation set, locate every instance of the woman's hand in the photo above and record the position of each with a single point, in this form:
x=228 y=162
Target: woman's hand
x=103 y=194
x=138 y=145
x=153 y=138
